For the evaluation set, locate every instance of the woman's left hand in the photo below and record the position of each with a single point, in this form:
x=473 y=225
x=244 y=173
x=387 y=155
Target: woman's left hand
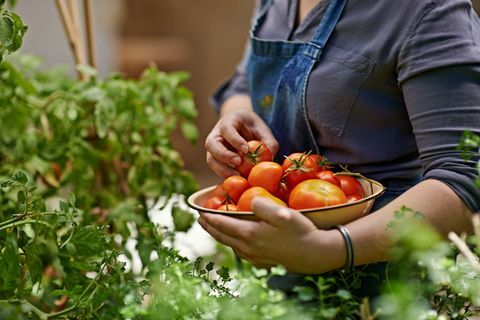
x=282 y=236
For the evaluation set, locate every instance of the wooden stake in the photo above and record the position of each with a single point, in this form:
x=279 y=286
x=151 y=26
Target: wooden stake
x=75 y=18
x=69 y=30
x=89 y=28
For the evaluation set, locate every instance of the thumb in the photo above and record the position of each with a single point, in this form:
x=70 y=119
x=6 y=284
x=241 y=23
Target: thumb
x=271 y=212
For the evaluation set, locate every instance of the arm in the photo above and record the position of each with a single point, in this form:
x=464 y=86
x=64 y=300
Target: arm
x=276 y=239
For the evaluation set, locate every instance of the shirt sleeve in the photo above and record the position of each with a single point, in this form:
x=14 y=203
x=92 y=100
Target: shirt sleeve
x=439 y=73
x=237 y=83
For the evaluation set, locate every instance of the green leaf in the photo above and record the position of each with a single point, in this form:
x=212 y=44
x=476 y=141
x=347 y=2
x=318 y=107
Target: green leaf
x=305 y=293
x=189 y=131
x=182 y=219
x=185 y=103
x=224 y=274
x=344 y=294
x=63 y=206
x=209 y=266
x=10 y=276
x=89 y=241
x=20 y=177
x=87 y=70
x=34 y=263
x=6 y=31
x=21 y=197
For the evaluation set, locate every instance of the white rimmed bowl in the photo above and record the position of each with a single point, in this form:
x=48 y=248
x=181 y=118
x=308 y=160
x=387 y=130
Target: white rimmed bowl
x=323 y=218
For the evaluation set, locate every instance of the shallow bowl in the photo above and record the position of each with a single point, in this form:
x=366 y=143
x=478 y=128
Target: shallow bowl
x=323 y=218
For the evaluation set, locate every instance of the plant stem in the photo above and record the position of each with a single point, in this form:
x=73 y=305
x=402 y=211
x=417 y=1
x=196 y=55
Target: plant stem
x=465 y=250
x=19 y=223
x=39 y=313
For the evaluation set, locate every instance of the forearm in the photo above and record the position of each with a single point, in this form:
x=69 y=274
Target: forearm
x=440 y=206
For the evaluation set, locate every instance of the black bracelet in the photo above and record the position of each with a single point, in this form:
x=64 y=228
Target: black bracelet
x=349 y=263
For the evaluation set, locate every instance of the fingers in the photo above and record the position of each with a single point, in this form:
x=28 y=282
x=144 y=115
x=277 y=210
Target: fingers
x=240 y=229
x=221 y=236
x=220 y=168
x=229 y=138
x=271 y=212
x=219 y=150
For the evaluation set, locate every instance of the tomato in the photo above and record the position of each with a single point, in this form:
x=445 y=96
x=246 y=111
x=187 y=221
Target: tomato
x=350 y=185
x=257 y=152
x=321 y=162
x=218 y=191
x=353 y=198
x=329 y=176
x=283 y=192
x=214 y=202
x=227 y=207
x=245 y=202
x=234 y=186
x=266 y=174
x=298 y=167
x=315 y=193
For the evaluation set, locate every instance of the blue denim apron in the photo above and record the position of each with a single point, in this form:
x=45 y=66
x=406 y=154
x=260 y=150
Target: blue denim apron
x=278 y=72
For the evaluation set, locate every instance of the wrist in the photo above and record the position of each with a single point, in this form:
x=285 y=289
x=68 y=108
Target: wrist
x=235 y=103
x=328 y=251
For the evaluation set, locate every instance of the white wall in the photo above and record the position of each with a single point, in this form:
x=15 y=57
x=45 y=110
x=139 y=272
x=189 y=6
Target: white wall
x=45 y=35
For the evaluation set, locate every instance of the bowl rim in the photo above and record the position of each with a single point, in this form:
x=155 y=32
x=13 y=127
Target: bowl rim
x=373 y=196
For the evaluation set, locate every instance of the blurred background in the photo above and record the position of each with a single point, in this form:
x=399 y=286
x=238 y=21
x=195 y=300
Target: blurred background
x=203 y=37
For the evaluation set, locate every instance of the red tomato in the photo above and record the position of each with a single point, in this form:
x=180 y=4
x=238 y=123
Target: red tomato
x=350 y=185
x=298 y=167
x=257 y=152
x=283 y=192
x=321 y=162
x=245 y=202
x=218 y=191
x=234 y=186
x=266 y=174
x=315 y=193
x=353 y=198
x=329 y=176
x=227 y=207
x=214 y=202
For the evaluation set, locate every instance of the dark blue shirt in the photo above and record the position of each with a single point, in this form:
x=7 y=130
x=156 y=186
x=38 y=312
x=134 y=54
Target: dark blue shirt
x=397 y=85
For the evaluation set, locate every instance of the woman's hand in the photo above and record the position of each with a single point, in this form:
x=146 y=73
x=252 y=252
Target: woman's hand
x=229 y=136
x=281 y=237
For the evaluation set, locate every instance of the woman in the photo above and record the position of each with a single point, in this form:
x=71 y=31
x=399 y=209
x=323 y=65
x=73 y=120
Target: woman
x=385 y=87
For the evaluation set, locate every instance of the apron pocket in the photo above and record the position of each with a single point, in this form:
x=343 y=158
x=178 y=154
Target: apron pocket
x=333 y=87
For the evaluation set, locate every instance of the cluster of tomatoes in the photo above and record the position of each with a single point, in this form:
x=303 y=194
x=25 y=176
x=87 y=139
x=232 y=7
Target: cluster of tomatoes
x=302 y=181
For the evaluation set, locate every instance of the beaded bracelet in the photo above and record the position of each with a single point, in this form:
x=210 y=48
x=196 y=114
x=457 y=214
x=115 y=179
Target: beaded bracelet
x=349 y=263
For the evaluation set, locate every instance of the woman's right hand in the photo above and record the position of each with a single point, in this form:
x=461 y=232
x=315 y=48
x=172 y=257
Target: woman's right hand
x=237 y=125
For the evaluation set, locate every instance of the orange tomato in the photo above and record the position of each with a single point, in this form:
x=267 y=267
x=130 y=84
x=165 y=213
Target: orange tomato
x=234 y=186
x=257 y=152
x=315 y=193
x=266 y=174
x=245 y=201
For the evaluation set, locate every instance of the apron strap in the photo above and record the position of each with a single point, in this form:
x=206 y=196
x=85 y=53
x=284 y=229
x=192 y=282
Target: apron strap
x=328 y=23
x=264 y=3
